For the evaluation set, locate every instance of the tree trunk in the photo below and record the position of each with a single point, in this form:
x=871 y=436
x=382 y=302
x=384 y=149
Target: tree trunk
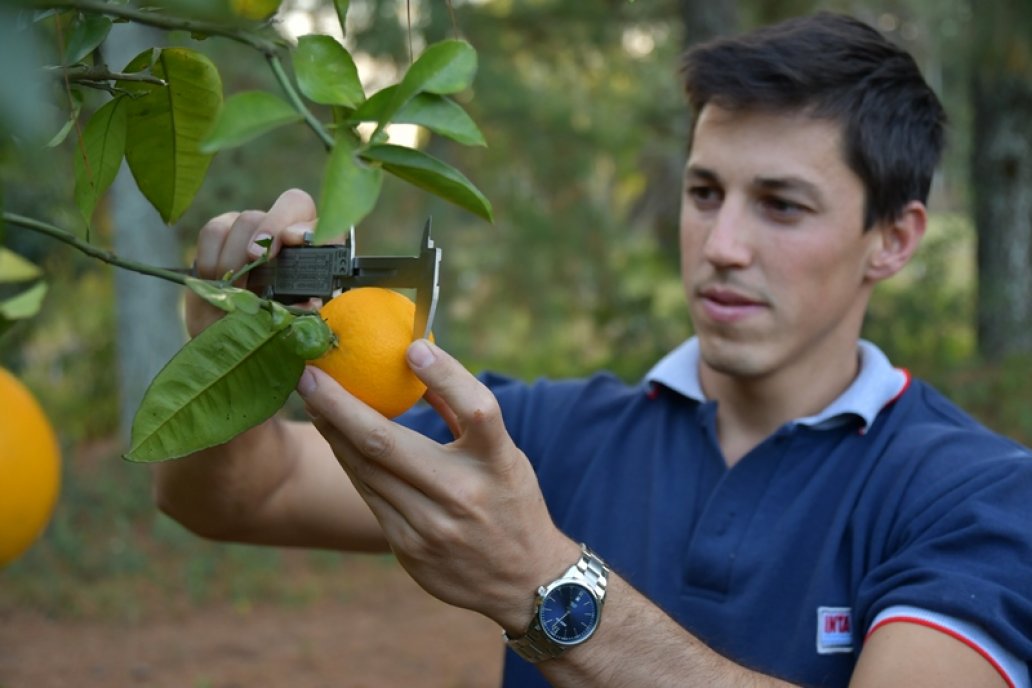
x=659 y=206
x=1002 y=183
x=149 y=328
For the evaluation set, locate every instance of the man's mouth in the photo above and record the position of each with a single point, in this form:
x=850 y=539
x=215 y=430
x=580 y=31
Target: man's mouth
x=727 y=305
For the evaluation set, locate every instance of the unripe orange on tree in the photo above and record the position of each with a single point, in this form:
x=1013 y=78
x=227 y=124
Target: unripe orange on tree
x=373 y=328
x=30 y=468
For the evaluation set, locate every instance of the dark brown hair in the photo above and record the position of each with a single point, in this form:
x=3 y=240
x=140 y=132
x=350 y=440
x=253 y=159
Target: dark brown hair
x=835 y=67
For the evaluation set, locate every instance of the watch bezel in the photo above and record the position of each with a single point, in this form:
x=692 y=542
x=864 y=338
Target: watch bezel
x=543 y=596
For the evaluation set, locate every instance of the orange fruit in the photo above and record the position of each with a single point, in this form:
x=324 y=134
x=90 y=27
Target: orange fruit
x=373 y=327
x=30 y=468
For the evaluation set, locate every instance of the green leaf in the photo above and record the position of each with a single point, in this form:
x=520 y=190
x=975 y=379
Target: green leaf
x=439 y=114
x=427 y=172
x=73 y=116
x=165 y=127
x=443 y=68
x=235 y=374
x=246 y=116
x=100 y=155
x=342 y=14
x=14 y=268
x=229 y=299
x=255 y=10
x=86 y=35
x=349 y=192
x=24 y=305
x=326 y=74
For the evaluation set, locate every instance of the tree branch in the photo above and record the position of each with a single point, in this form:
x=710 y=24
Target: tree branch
x=101 y=74
x=89 y=249
x=163 y=21
x=295 y=99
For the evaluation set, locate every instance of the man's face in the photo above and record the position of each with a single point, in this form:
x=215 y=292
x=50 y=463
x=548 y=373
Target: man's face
x=772 y=244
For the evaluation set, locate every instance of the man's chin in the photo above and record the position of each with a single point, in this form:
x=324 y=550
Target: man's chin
x=732 y=358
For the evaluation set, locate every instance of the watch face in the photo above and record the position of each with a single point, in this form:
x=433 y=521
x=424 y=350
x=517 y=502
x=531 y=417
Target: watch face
x=569 y=613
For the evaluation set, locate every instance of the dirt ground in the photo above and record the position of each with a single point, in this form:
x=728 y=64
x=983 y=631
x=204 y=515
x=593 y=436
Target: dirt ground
x=392 y=635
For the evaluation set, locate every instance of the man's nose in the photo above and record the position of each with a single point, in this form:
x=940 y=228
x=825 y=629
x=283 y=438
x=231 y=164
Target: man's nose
x=728 y=243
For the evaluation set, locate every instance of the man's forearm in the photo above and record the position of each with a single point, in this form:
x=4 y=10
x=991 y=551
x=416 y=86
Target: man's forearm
x=639 y=645
x=215 y=492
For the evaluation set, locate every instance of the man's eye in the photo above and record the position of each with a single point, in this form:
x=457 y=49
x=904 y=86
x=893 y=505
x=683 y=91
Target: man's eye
x=704 y=196
x=782 y=209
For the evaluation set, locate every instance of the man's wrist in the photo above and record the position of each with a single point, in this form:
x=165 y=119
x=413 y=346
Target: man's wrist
x=567 y=610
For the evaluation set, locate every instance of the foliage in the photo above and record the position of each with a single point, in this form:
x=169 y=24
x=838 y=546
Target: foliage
x=166 y=118
x=924 y=317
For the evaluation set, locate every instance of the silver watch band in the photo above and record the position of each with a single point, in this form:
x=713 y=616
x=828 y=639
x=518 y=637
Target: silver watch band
x=534 y=646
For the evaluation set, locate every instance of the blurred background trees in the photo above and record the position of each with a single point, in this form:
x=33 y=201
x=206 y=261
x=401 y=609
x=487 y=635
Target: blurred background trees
x=582 y=109
x=581 y=105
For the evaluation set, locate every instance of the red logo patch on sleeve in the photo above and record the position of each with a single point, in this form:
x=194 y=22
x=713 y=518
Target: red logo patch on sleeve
x=834 y=630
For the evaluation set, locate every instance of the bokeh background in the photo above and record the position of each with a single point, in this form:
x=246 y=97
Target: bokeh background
x=581 y=105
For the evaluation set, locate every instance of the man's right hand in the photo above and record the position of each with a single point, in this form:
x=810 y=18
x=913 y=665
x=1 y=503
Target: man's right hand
x=230 y=241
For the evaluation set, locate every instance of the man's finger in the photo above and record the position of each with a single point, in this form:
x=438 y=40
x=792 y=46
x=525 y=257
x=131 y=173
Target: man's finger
x=389 y=458
x=210 y=241
x=474 y=408
x=290 y=217
x=236 y=247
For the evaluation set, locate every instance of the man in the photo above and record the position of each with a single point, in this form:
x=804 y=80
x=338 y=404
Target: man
x=776 y=503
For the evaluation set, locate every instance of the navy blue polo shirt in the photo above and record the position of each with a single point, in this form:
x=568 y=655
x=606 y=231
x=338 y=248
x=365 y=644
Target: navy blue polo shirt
x=890 y=506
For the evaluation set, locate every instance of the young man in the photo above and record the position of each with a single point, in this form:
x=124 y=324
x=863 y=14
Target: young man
x=775 y=503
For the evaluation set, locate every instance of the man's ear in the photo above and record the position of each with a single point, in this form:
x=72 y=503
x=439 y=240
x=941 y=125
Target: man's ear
x=896 y=241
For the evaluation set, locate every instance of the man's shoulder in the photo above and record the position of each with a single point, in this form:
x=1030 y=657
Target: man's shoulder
x=927 y=416
x=932 y=446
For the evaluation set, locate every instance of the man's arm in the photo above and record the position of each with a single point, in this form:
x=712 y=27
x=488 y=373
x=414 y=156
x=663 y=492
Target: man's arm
x=469 y=524
x=277 y=484
x=638 y=645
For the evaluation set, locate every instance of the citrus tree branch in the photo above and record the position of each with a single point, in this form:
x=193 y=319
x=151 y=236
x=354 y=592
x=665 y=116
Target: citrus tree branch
x=163 y=21
x=90 y=74
x=295 y=99
x=89 y=249
x=267 y=47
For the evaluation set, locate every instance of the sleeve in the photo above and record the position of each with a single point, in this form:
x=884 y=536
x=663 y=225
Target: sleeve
x=959 y=548
x=1014 y=672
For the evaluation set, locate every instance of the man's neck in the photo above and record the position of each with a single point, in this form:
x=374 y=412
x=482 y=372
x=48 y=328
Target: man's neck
x=751 y=409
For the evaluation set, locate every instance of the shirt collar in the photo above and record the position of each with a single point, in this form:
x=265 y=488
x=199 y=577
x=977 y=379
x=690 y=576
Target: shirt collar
x=877 y=384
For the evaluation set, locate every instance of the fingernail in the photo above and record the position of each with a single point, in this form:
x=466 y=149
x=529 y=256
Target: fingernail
x=306 y=385
x=420 y=355
x=256 y=250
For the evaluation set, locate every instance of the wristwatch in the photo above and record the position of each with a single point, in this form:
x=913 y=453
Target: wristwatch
x=567 y=611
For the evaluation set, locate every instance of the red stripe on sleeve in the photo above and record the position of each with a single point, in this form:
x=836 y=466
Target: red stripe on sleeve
x=953 y=634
